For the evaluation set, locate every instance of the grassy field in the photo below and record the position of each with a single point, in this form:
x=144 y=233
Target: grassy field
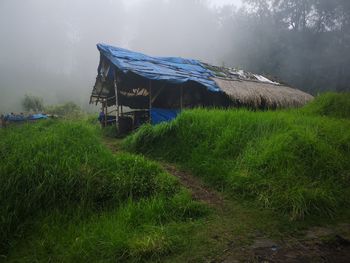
x=334 y=105
x=66 y=198
x=296 y=162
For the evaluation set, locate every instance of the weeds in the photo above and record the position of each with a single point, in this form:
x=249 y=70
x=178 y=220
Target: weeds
x=331 y=104
x=61 y=188
x=295 y=162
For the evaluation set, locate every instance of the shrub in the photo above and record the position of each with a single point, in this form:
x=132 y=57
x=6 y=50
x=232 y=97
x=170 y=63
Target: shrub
x=330 y=104
x=295 y=163
x=68 y=110
x=60 y=164
x=32 y=103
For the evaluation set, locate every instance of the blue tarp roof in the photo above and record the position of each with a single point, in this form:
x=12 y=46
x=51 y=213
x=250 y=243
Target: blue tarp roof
x=175 y=70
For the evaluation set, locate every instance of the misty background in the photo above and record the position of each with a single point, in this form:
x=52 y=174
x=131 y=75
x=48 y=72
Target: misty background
x=48 y=48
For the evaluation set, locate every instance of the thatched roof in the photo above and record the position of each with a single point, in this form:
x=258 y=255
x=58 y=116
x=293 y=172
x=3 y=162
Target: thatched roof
x=256 y=91
x=199 y=83
x=257 y=94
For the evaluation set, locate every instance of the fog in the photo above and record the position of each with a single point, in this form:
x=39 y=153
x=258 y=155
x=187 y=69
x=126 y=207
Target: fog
x=48 y=48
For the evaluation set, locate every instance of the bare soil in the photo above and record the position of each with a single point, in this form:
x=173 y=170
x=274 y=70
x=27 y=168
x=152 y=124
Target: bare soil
x=199 y=191
x=323 y=247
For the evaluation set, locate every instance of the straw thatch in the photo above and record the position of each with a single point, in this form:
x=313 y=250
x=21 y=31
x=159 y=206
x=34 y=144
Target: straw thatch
x=262 y=95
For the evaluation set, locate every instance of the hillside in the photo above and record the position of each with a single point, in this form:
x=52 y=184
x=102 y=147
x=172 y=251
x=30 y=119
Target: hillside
x=66 y=198
x=296 y=162
x=336 y=105
x=211 y=186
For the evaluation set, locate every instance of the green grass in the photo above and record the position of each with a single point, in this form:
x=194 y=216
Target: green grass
x=137 y=231
x=336 y=105
x=294 y=162
x=66 y=197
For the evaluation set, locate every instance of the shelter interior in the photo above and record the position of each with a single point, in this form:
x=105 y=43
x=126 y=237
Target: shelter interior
x=134 y=88
x=128 y=99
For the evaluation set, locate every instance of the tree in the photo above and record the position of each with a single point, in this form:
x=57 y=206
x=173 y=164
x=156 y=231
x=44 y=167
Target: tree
x=32 y=103
x=66 y=109
x=305 y=43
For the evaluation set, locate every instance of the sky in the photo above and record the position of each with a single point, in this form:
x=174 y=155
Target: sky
x=225 y=2
x=213 y=3
x=48 y=47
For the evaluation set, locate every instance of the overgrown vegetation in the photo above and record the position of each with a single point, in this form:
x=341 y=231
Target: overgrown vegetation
x=67 y=110
x=336 y=105
x=65 y=197
x=295 y=162
x=32 y=103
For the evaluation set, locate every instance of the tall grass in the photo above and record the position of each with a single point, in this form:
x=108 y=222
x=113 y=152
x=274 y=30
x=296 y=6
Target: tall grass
x=57 y=170
x=336 y=105
x=289 y=161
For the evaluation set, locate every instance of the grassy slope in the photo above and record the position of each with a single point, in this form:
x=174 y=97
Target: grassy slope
x=295 y=162
x=336 y=105
x=65 y=197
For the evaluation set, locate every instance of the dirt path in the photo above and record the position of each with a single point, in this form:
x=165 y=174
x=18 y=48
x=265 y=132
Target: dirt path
x=318 y=245
x=199 y=191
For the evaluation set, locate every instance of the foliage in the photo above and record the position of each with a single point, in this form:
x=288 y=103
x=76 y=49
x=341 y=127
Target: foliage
x=303 y=43
x=110 y=131
x=32 y=103
x=335 y=105
x=67 y=109
x=289 y=161
x=61 y=188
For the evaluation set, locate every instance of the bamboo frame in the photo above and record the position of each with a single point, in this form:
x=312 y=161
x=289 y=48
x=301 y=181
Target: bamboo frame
x=157 y=94
x=150 y=101
x=116 y=100
x=181 y=97
x=105 y=111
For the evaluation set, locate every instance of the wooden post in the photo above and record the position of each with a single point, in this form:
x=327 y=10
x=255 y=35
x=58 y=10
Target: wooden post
x=181 y=95
x=106 y=111
x=150 y=101
x=116 y=100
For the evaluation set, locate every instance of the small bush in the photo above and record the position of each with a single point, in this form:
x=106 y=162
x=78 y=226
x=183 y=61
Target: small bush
x=135 y=232
x=68 y=110
x=32 y=103
x=335 y=105
x=59 y=166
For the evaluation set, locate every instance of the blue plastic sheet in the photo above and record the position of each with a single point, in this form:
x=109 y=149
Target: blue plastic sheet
x=175 y=70
x=15 y=118
x=163 y=115
x=37 y=117
x=22 y=118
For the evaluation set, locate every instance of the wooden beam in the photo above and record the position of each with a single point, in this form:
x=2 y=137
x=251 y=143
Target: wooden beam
x=157 y=94
x=99 y=94
x=111 y=98
x=116 y=99
x=150 y=101
x=181 y=97
x=106 y=111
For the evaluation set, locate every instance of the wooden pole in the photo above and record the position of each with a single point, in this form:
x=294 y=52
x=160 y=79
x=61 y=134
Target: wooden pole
x=181 y=97
x=116 y=100
x=106 y=111
x=150 y=101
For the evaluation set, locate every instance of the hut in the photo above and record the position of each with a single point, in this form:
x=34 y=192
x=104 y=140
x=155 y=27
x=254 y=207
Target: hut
x=134 y=88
